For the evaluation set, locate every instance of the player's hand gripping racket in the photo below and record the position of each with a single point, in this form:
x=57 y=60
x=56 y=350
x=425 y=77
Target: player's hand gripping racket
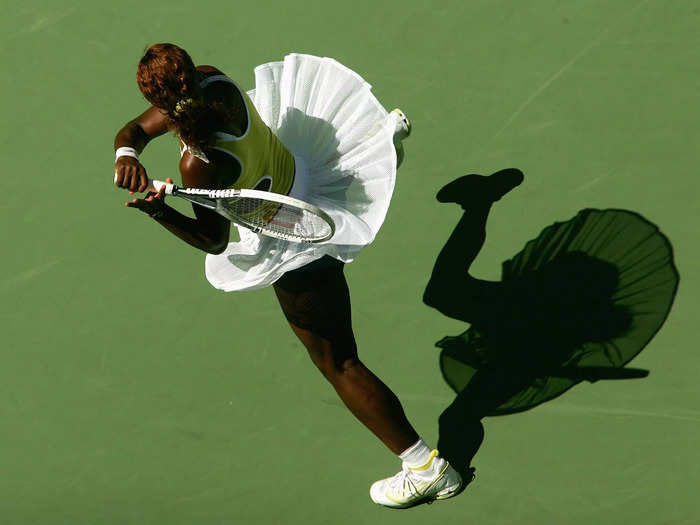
x=263 y=212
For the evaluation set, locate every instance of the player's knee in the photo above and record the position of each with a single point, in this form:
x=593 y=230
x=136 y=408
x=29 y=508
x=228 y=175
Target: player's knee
x=429 y=296
x=433 y=294
x=340 y=367
x=340 y=370
x=348 y=364
x=334 y=362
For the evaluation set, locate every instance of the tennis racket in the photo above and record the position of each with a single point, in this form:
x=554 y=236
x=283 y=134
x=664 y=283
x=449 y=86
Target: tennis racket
x=263 y=212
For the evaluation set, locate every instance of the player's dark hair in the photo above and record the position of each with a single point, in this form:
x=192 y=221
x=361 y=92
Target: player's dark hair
x=168 y=79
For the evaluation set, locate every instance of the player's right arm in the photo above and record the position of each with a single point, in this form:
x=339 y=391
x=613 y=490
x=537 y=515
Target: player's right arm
x=136 y=134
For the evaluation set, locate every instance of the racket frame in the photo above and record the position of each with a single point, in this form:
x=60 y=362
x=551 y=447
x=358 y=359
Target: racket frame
x=208 y=199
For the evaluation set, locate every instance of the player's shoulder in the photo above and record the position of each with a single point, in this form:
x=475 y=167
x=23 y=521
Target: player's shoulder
x=221 y=170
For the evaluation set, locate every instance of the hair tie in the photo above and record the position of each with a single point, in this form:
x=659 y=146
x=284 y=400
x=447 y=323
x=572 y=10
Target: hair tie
x=180 y=106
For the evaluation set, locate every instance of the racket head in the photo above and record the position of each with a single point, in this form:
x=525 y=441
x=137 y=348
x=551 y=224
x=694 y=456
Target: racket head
x=276 y=215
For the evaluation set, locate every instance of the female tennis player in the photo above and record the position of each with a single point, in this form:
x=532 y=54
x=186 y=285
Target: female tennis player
x=311 y=129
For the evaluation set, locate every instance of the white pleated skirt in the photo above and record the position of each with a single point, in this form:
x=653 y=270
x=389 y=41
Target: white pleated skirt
x=342 y=141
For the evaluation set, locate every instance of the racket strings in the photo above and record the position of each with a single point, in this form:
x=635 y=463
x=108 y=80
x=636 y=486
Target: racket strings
x=279 y=219
x=283 y=220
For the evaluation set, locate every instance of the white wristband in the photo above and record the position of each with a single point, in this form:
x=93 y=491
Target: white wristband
x=126 y=152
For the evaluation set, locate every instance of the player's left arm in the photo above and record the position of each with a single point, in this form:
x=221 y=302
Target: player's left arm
x=208 y=231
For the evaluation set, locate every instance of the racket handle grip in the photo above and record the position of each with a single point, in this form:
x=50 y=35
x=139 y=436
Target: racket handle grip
x=156 y=185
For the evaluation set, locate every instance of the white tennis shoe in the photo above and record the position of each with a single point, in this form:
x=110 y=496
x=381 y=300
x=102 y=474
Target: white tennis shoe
x=402 y=129
x=402 y=126
x=412 y=486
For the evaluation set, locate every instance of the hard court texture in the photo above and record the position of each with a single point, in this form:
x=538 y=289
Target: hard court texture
x=135 y=393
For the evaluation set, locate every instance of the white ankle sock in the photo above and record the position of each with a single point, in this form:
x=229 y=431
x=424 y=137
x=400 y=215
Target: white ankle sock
x=417 y=454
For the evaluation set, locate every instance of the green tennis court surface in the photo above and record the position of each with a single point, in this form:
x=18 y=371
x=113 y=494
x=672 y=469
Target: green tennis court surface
x=134 y=393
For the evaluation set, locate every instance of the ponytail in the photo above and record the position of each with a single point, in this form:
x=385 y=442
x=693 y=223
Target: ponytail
x=196 y=120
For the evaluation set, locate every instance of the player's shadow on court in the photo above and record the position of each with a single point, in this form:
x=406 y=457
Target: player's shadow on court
x=577 y=303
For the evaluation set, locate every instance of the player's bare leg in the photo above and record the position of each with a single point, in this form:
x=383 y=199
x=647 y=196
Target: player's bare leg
x=317 y=305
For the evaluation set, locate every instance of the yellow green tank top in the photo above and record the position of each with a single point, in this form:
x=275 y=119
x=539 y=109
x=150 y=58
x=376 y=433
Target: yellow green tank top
x=261 y=155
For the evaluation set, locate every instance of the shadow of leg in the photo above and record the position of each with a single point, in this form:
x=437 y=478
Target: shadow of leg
x=460 y=435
